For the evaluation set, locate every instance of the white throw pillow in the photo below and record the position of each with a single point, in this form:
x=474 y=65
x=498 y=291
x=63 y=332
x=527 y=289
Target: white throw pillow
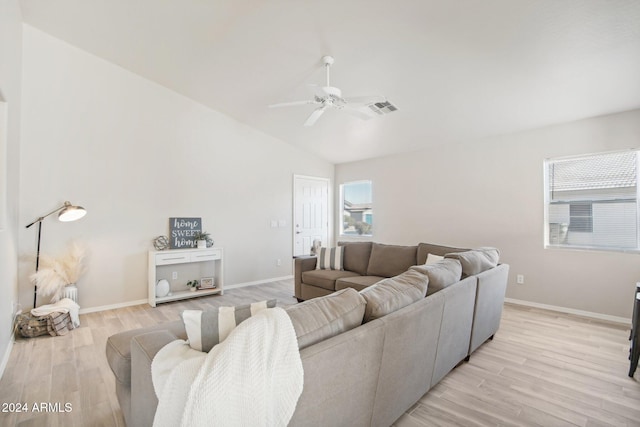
x=432 y=259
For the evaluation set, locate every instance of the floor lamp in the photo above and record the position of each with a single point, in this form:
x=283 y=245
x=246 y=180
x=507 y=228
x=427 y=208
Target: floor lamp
x=68 y=213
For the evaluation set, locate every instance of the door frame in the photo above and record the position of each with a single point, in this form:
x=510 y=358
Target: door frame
x=329 y=209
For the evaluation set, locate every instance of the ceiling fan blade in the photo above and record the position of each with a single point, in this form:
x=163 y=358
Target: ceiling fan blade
x=366 y=100
x=315 y=115
x=291 y=104
x=359 y=112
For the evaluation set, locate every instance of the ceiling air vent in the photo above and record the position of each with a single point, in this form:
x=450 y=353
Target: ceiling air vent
x=382 y=108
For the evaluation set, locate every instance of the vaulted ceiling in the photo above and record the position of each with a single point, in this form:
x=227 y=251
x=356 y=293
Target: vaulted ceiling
x=458 y=70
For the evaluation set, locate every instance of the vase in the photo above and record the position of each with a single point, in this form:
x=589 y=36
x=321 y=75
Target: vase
x=162 y=288
x=192 y=289
x=202 y=244
x=70 y=291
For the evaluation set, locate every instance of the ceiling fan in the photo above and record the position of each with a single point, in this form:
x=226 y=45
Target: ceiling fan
x=331 y=97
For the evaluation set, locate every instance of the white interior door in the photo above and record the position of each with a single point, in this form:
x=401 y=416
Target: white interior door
x=310 y=213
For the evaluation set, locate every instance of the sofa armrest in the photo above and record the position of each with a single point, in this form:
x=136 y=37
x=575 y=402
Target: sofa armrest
x=143 y=396
x=455 y=327
x=492 y=286
x=302 y=264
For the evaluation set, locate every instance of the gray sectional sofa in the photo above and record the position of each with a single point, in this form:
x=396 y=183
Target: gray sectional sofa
x=376 y=351
x=365 y=263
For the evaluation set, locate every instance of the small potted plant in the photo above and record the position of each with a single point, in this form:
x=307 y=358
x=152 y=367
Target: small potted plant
x=193 y=285
x=202 y=238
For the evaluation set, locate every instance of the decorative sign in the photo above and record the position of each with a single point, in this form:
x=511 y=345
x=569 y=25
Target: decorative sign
x=207 y=283
x=183 y=232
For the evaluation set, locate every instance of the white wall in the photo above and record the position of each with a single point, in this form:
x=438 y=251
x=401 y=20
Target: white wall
x=10 y=65
x=134 y=153
x=490 y=193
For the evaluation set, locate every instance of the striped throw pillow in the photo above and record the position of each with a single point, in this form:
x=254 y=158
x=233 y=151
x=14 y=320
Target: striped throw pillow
x=210 y=327
x=330 y=258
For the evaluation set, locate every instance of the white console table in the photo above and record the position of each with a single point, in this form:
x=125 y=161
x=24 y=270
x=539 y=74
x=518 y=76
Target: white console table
x=178 y=266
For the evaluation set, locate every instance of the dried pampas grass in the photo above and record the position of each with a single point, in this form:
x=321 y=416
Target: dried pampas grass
x=73 y=261
x=56 y=273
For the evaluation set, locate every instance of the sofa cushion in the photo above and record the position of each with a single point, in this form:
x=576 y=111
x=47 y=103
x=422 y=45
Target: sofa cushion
x=118 y=347
x=477 y=260
x=358 y=282
x=424 y=249
x=441 y=274
x=356 y=256
x=321 y=318
x=330 y=258
x=325 y=279
x=390 y=260
x=206 y=328
x=394 y=293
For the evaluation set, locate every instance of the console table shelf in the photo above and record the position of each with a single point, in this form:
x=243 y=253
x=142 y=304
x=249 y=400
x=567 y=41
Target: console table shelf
x=178 y=266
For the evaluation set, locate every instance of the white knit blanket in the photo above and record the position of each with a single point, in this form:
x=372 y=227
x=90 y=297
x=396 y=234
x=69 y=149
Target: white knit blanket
x=252 y=378
x=65 y=305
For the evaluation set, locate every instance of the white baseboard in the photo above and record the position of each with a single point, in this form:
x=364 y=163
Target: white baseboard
x=589 y=314
x=112 y=306
x=257 y=282
x=5 y=357
x=145 y=301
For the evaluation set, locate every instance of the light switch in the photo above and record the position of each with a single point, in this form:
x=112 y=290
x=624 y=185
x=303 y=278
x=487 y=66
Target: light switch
x=282 y=223
x=274 y=223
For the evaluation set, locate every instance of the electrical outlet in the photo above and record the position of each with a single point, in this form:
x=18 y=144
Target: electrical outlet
x=520 y=279
x=174 y=275
x=278 y=262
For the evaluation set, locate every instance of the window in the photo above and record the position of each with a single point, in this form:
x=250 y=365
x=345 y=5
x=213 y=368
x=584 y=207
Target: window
x=591 y=201
x=356 y=209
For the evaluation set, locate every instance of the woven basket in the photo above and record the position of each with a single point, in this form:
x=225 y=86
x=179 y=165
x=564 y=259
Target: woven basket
x=30 y=326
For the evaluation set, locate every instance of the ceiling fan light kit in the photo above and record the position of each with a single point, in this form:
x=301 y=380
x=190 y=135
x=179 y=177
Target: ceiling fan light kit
x=329 y=96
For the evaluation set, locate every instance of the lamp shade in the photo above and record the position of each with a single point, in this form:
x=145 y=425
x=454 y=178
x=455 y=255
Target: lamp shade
x=71 y=213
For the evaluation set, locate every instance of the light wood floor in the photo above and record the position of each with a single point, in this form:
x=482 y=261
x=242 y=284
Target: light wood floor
x=542 y=369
